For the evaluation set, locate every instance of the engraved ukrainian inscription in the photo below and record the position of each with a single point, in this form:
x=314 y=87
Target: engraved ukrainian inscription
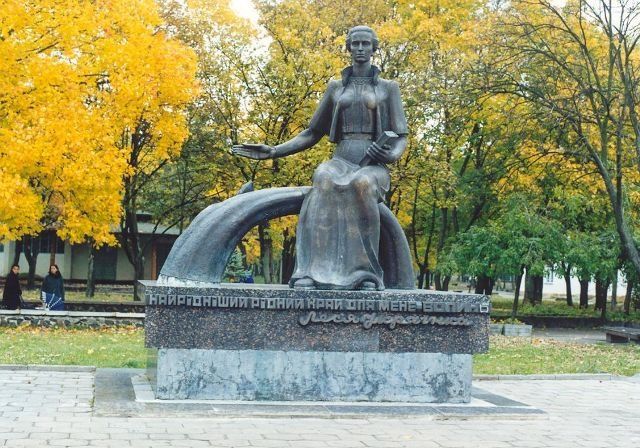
x=381 y=305
x=363 y=312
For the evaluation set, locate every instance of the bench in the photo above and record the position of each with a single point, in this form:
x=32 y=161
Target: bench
x=622 y=334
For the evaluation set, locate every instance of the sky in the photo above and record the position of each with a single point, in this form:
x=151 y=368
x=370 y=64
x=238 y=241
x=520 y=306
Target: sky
x=245 y=8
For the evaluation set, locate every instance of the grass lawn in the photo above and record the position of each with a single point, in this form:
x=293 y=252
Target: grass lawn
x=124 y=347
x=111 y=347
x=513 y=355
x=78 y=296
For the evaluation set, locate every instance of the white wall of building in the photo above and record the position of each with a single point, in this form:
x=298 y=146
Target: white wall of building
x=5 y=261
x=556 y=285
x=73 y=262
x=42 y=263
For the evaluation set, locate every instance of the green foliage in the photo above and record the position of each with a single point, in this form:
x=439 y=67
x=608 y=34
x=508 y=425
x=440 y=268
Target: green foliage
x=235 y=270
x=511 y=320
x=522 y=236
x=501 y=307
x=594 y=255
x=478 y=251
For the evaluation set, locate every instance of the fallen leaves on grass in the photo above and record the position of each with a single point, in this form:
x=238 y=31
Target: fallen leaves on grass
x=517 y=355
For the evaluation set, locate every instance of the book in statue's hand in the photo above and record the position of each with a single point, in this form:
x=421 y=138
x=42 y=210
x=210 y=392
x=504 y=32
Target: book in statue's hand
x=386 y=139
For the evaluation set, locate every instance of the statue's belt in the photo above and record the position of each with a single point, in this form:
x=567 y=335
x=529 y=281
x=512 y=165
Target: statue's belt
x=356 y=136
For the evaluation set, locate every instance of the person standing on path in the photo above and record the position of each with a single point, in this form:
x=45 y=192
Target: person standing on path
x=52 y=290
x=12 y=291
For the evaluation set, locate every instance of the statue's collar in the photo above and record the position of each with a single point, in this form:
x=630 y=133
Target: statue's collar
x=348 y=72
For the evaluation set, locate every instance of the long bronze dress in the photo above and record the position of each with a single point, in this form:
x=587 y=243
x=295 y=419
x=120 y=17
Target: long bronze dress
x=338 y=232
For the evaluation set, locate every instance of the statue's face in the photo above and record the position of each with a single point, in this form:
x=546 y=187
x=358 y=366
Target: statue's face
x=361 y=46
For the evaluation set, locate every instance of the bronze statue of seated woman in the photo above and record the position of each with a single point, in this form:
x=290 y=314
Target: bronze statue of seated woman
x=338 y=234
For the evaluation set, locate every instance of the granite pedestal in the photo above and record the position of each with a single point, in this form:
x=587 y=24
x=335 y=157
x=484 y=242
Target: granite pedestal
x=263 y=342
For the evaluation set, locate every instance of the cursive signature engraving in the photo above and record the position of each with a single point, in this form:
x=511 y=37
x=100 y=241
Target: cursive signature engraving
x=370 y=319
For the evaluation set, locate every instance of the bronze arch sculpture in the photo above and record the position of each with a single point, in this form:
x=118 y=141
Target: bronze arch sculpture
x=201 y=253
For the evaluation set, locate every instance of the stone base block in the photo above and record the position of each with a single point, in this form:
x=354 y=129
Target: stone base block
x=311 y=376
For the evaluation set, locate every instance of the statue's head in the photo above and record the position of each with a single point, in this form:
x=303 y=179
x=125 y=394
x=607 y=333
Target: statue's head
x=362 y=41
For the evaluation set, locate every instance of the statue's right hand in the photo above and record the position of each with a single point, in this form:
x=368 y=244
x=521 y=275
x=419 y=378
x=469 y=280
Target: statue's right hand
x=257 y=151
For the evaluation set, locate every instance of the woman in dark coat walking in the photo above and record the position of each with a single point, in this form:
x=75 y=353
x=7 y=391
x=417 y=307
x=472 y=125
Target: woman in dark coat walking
x=52 y=290
x=12 y=291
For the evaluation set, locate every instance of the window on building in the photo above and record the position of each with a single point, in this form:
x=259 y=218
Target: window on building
x=43 y=243
x=46 y=240
x=1 y=247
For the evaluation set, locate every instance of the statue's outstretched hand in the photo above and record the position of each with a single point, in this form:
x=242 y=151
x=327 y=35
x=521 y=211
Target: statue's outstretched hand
x=257 y=151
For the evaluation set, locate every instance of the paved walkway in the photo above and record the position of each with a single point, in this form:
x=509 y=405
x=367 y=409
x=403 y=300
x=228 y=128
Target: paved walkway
x=50 y=408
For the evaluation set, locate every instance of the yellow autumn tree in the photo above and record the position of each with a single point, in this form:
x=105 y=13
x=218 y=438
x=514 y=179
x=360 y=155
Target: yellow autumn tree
x=152 y=80
x=78 y=78
x=85 y=85
x=44 y=111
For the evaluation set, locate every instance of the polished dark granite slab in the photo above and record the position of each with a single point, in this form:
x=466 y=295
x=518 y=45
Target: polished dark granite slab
x=174 y=321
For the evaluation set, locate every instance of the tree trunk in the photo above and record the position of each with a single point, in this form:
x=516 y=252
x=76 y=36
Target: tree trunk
x=17 y=252
x=138 y=270
x=584 y=293
x=421 y=276
x=130 y=241
x=627 y=297
x=481 y=281
x=437 y=281
x=442 y=284
x=91 y=283
x=484 y=285
x=288 y=257
x=445 y=283
x=528 y=290
x=516 y=295
x=614 y=292
x=567 y=282
x=602 y=286
x=265 y=252
x=53 y=240
x=140 y=142
x=538 y=282
x=533 y=289
x=424 y=278
x=490 y=286
x=31 y=252
x=276 y=268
